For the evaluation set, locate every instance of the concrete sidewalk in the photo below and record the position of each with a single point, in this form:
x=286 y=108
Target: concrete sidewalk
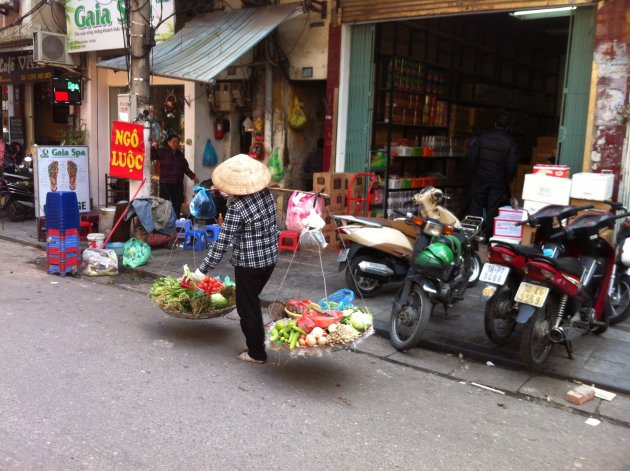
x=453 y=340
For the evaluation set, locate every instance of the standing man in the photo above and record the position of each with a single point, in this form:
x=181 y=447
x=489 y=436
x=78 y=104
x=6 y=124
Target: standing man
x=250 y=228
x=313 y=163
x=173 y=167
x=493 y=161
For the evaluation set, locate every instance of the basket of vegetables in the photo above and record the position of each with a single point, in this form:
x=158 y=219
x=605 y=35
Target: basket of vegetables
x=183 y=298
x=316 y=332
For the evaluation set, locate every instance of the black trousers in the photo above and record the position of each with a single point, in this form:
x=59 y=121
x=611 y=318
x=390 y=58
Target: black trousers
x=487 y=197
x=249 y=284
x=175 y=194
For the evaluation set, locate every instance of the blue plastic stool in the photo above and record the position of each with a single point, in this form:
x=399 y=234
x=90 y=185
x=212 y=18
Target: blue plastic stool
x=195 y=240
x=183 y=226
x=212 y=233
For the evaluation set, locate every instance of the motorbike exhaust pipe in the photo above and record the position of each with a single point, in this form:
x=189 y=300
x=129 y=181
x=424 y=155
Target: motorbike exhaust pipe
x=376 y=269
x=557 y=335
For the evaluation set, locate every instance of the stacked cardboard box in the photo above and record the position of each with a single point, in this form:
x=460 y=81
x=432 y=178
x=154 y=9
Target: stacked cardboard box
x=517 y=184
x=545 y=150
x=462 y=121
x=336 y=186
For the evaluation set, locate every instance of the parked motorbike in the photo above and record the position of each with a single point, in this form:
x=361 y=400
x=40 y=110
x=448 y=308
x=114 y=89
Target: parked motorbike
x=562 y=298
x=618 y=302
x=506 y=268
x=377 y=251
x=439 y=273
x=17 y=191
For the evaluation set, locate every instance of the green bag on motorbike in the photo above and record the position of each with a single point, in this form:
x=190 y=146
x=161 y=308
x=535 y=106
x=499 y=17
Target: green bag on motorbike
x=451 y=242
x=437 y=255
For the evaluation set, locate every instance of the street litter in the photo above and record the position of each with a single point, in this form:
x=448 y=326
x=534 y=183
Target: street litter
x=593 y=422
x=602 y=394
x=487 y=388
x=580 y=394
x=489 y=363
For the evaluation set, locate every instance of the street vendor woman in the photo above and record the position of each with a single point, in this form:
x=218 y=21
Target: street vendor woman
x=250 y=228
x=173 y=167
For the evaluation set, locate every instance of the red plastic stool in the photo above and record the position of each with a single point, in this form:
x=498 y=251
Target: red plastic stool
x=288 y=240
x=85 y=229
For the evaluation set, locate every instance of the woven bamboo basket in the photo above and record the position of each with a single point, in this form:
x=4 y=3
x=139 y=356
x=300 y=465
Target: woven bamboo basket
x=203 y=315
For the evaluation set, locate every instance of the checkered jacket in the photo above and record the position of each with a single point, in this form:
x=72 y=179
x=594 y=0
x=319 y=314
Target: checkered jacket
x=250 y=228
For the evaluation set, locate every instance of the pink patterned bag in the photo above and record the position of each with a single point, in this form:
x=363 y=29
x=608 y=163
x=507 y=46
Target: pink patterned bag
x=299 y=208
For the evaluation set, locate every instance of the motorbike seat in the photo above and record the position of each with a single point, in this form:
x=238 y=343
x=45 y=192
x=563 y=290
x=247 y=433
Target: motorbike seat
x=569 y=265
x=524 y=250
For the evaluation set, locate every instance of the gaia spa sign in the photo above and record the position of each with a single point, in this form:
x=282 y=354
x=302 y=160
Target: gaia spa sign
x=126 y=159
x=63 y=168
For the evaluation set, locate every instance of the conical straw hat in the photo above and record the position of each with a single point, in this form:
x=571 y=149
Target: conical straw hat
x=241 y=175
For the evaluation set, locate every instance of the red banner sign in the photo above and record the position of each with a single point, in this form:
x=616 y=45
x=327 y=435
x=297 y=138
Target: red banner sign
x=127 y=151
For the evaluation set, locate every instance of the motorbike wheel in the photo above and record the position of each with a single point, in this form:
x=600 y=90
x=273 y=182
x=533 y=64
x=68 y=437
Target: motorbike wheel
x=618 y=303
x=535 y=343
x=474 y=267
x=499 y=320
x=15 y=212
x=366 y=287
x=407 y=325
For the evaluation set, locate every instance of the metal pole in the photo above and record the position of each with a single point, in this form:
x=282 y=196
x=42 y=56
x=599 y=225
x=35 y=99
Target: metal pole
x=139 y=86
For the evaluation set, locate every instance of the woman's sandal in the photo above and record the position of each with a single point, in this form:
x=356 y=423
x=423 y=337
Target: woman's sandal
x=245 y=357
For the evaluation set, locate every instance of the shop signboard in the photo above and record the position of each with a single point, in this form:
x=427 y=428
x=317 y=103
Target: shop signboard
x=63 y=168
x=94 y=25
x=127 y=151
x=19 y=67
x=16 y=129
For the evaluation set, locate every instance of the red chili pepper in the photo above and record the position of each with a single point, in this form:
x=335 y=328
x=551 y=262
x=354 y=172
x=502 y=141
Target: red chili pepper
x=185 y=283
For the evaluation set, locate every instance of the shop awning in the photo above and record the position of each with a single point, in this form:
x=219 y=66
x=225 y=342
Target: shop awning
x=207 y=45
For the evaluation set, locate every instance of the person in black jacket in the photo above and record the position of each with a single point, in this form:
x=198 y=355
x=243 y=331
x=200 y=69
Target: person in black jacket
x=173 y=167
x=492 y=163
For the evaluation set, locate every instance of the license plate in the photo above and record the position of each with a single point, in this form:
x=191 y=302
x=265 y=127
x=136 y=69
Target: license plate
x=343 y=255
x=534 y=295
x=495 y=274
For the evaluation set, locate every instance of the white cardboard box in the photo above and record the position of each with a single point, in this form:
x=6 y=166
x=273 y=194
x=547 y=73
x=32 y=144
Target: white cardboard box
x=507 y=228
x=508 y=212
x=532 y=207
x=593 y=186
x=545 y=189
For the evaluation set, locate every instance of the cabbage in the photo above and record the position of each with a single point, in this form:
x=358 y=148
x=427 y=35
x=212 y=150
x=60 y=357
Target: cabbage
x=360 y=320
x=218 y=301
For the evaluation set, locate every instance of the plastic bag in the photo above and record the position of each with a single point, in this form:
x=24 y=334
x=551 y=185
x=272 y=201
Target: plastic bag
x=312 y=240
x=299 y=208
x=202 y=206
x=276 y=167
x=297 y=118
x=100 y=262
x=210 y=158
x=135 y=253
x=340 y=300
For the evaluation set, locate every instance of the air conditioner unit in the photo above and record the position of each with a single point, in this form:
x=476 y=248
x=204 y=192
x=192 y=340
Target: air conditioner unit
x=51 y=48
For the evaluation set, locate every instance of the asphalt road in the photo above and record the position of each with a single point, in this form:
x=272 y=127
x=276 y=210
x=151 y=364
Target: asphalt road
x=94 y=376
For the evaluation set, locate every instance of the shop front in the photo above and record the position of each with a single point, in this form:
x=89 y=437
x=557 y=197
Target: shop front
x=29 y=112
x=423 y=78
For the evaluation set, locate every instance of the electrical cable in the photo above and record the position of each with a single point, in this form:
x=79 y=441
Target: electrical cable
x=25 y=15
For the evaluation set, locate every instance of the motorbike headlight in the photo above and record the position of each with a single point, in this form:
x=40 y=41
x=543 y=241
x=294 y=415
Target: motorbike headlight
x=433 y=228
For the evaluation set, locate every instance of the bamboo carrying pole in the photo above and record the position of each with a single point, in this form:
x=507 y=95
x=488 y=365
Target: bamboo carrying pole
x=289 y=190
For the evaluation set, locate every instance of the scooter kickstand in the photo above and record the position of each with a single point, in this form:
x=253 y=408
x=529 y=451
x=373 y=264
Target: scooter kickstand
x=569 y=348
